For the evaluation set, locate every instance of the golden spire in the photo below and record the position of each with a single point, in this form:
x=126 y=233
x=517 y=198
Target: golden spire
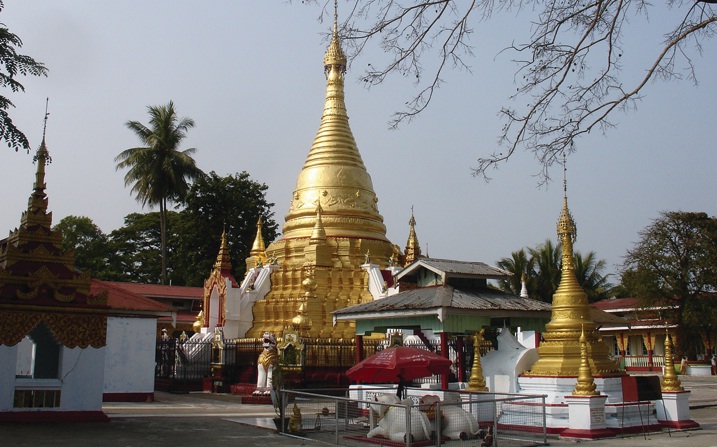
x=223 y=263
x=38 y=199
x=561 y=352
x=334 y=175
x=586 y=383
x=413 y=248
x=670 y=381
x=571 y=310
x=319 y=234
x=258 y=250
x=477 y=381
x=335 y=54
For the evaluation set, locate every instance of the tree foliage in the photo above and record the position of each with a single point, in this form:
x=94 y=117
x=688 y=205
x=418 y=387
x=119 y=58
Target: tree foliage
x=90 y=244
x=569 y=67
x=521 y=267
x=133 y=252
x=159 y=172
x=136 y=248
x=12 y=65
x=673 y=266
x=235 y=203
x=542 y=268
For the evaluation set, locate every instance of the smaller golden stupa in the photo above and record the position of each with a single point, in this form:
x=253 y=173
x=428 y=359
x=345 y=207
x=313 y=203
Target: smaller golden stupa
x=560 y=352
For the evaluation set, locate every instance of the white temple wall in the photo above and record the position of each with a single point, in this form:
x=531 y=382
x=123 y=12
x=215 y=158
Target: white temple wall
x=130 y=359
x=79 y=379
x=82 y=377
x=8 y=358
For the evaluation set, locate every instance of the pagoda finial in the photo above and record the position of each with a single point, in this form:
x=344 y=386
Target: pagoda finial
x=567 y=233
x=524 y=287
x=586 y=382
x=258 y=249
x=223 y=263
x=670 y=381
x=413 y=248
x=318 y=234
x=334 y=54
x=42 y=157
x=38 y=198
x=477 y=380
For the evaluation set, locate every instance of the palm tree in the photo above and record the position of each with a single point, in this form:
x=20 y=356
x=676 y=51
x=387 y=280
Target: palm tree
x=518 y=264
x=546 y=258
x=158 y=171
x=588 y=270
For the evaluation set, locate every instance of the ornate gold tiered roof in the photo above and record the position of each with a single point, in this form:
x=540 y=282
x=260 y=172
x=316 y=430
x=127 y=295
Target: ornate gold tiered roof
x=39 y=282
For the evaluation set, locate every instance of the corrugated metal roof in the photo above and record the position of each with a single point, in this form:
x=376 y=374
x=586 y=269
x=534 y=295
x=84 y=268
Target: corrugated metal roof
x=448 y=297
x=451 y=267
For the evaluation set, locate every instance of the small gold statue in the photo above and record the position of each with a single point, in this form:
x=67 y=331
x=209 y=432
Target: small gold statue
x=295 y=421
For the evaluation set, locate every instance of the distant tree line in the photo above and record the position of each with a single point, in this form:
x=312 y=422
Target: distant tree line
x=133 y=253
x=541 y=268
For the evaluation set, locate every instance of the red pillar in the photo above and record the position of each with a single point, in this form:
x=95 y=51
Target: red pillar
x=444 y=353
x=359 y=348
x=461 y=359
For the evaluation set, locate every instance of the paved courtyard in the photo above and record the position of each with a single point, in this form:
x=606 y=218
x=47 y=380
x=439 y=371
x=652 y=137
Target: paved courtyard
x=216 y=420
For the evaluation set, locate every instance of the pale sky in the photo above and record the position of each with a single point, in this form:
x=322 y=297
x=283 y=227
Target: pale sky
x=250 y=73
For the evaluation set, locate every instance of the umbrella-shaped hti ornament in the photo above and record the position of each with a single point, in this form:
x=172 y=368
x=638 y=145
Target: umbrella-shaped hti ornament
x=399 y=364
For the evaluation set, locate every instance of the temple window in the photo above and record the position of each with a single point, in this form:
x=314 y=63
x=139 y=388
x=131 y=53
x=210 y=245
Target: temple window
x=38 y=355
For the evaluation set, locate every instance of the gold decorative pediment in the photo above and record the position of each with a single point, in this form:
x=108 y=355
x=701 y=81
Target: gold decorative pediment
x=70 y=330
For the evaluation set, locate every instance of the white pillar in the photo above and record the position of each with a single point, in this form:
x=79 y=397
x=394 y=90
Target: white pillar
x=674 y=410
x=587 y=418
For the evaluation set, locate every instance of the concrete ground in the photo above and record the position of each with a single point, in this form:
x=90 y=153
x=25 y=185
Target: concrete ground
x=205 y=419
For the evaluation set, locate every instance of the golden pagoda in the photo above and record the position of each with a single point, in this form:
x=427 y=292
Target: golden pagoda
x=333 y=221
x=560 y=352
x=413 y=248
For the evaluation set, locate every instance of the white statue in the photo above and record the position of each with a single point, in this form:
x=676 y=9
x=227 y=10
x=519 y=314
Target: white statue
x=392 y=423
x=268 y=360
x=456 y=423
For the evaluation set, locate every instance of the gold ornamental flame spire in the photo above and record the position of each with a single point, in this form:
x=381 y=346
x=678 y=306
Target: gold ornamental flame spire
x=334 y=175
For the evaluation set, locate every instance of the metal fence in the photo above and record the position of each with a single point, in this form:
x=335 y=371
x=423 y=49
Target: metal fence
x=429 y=417
x=191 y=360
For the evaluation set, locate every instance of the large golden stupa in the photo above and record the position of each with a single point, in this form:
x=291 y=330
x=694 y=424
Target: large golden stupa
x=333 y=227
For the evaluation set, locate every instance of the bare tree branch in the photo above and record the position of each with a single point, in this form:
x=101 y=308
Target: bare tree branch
x=571 y=74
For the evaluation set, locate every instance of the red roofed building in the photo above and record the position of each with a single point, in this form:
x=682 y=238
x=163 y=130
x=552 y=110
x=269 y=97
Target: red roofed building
x=185 y=301
x=638 y=345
